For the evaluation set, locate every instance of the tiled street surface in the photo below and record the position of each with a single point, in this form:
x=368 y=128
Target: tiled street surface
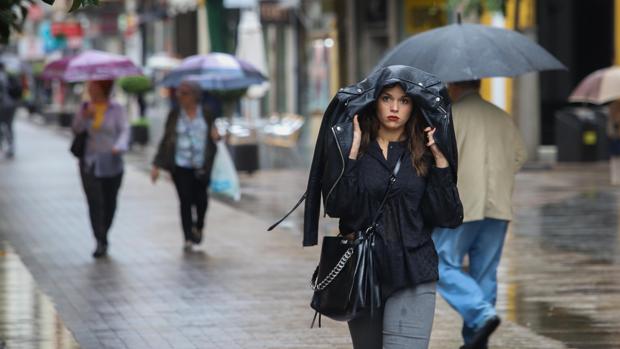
x=248 y=288
x=27 y=317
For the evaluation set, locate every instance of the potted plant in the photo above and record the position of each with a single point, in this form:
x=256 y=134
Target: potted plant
x=137 y=86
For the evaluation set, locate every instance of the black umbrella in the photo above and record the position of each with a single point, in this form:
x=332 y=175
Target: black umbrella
x=461 y=52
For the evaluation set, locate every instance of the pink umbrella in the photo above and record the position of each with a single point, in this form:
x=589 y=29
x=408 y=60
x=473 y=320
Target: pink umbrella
x=599 y=87
x=90 y=65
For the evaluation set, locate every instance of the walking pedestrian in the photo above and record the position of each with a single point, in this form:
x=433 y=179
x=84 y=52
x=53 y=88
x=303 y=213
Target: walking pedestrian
x=613 y=134
x=491 y=151
x=101 y=167
x=391 y=130
x=10 y=93
x=187 y=151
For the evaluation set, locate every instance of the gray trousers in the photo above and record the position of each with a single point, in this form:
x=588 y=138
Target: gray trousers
x=405 y=322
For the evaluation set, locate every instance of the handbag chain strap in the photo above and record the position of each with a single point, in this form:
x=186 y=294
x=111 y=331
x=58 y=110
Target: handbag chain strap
x=349 y=252
x=332 y=274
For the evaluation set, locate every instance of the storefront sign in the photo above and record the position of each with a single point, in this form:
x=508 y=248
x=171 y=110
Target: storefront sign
x=67 y=29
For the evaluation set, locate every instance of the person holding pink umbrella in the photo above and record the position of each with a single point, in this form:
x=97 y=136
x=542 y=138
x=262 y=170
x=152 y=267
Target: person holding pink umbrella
x=101 y=165
x=603 y=87
x=102 y=132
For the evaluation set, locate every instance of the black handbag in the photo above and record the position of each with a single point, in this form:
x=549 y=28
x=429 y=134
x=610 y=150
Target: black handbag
x=346 y=281
x=78 y=146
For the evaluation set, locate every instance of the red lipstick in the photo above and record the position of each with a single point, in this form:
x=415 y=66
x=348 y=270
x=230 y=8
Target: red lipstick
x=393 y=118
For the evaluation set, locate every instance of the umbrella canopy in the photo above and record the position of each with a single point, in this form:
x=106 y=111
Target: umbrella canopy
x=215 y=71
x=601 y=86
x=90 y=65
x=462 y=52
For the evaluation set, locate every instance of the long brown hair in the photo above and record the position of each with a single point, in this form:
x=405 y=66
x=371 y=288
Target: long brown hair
x=414 y=132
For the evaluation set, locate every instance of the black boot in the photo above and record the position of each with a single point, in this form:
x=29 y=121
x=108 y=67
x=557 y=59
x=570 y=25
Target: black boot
x=196 y=236
x=481 y=337
x=101 y=250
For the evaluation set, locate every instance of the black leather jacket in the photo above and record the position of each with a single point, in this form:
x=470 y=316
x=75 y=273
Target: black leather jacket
x=336 y=133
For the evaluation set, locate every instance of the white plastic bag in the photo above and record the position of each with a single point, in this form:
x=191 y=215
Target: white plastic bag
x=224 y=178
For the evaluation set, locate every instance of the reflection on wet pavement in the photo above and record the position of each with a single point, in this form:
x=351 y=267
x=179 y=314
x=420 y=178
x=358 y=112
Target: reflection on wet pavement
x=561 y=271
x=27 y=317
x=586 y=223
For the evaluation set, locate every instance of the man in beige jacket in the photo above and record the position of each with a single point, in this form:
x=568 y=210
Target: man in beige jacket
x=491 y=151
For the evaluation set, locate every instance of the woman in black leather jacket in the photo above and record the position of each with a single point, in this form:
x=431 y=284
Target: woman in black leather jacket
x=397 y=112
x=424 y=195
x=431 y=99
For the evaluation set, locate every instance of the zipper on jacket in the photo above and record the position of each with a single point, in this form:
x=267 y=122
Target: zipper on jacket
x=442 y=109
x=341 y=172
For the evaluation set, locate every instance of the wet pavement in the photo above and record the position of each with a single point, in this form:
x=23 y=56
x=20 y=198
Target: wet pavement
x=562 y=260
x=28 y=318
x=247 y=288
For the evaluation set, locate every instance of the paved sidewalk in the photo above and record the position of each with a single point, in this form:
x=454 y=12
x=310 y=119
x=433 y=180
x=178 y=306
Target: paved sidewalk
x=244 y=288
x=29 y=318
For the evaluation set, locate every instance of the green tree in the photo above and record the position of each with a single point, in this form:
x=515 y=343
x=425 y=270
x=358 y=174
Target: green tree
x=13 y=14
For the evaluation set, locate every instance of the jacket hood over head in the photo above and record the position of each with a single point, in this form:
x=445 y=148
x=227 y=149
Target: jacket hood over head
x=428 y=93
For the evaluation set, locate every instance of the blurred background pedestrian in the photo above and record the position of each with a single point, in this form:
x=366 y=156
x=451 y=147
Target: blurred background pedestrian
x=187 y=150
x=10 y=94
x=101 y=167
x=491 y=151
x=613 y=132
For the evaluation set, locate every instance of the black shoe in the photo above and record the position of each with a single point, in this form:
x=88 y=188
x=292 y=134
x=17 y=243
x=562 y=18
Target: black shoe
x=481 y=337
x=101 y=250
x=196 y=236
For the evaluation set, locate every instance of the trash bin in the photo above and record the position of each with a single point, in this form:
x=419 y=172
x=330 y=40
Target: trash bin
x=65 y=119
x=139 y=134
x=580 y=134
x=243 y=147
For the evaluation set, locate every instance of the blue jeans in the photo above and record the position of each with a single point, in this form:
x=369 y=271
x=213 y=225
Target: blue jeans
x=472 y=293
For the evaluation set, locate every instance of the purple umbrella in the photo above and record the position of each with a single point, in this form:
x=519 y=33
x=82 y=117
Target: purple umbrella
x=215 y=71
x=90 y=65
